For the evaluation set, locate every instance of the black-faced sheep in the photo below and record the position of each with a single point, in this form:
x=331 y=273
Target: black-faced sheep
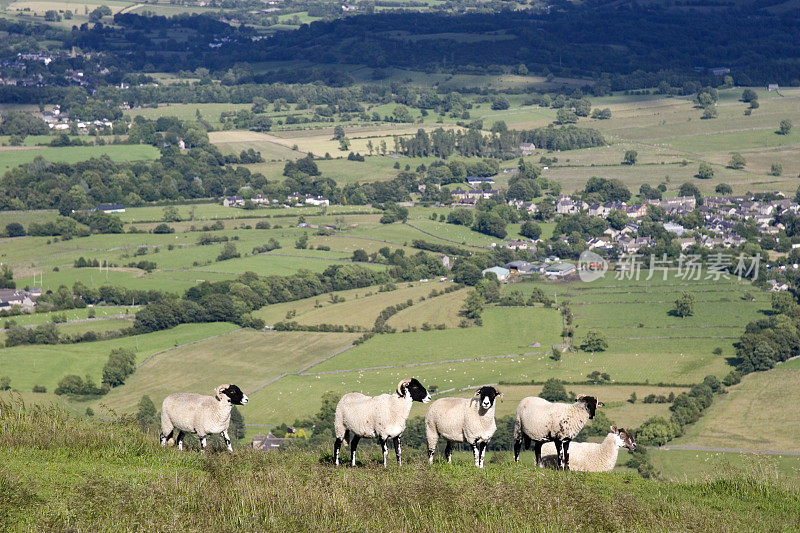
x=383 y=416
x=469 y=420
x=541 y=421
x=203 y=415
x=590 y=456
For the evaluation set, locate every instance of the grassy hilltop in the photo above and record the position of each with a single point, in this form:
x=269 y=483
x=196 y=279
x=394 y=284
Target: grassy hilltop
x=62 y=473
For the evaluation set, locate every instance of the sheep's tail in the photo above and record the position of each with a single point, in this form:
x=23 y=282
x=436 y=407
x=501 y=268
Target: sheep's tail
x=517 y=429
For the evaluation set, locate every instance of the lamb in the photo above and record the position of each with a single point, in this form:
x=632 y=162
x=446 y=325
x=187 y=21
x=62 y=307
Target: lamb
x=541 y=421
x=383 y=416
x=203 y=415
x=469 y=420
x=590 y=456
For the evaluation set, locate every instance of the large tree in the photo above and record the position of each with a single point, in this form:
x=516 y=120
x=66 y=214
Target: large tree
x=684 y=305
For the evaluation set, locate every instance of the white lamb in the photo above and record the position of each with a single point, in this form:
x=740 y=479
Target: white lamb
x=469 y=420
x=590 y=456
x=541 y=421
x=383 y=416
x=203 y=415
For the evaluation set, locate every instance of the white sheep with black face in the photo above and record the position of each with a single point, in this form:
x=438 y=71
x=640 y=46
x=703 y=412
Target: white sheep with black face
x=592 y=456
x=199 y=414
x=383 y=417
x=469 y=420
x=541 y=421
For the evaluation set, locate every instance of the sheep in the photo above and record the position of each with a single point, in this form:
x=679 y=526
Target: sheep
x=590 y=456
x=203 y=415
x=383 y=416
x=541 y=421
x=468 y=420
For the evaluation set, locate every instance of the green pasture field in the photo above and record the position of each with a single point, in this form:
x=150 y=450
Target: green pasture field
x=210 y=112
x=360 y=310
x=73 y=154
x=635 y=317
x=26 y=217
x=199 y=213
x=445 y=309
x=46 y=364
x=739 y=418
x=687 y=465
x=505 y=331
x=70 y=315
x=277 y=312
x=247 y=358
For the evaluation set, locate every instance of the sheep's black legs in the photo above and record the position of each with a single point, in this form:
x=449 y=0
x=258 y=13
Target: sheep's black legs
x=353 y=446
x=517 y=449
x=227 y=440
x=179 y=440
x=203 y=443
x=337 y=446
x=566 y=454
x=164 y=438
x=430 y=455
x=537 y=450
x=448 y=451
x=481 y=453
x=559 y=453
x=384 y=448
x=397 y=450
x=475 y=453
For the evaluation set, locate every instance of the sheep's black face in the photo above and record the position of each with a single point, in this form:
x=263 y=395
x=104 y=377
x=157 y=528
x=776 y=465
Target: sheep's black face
x=486 y=396
x=417 y=391
x=591 y=404
x=235 y=395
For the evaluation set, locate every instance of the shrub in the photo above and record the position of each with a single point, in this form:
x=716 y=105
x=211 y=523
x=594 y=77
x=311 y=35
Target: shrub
x=119 y=366
x=554 y=391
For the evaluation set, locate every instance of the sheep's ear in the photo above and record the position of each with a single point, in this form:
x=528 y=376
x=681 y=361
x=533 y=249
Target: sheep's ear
x=614 y=429
x=478 y=392
x=501 y=395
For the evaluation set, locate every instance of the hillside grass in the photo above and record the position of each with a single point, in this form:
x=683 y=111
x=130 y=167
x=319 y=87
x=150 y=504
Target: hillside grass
x=247 y=358
x=60 y=473
x=753 y=415
x=73 y=154
x=359 y=308
x=46 y=364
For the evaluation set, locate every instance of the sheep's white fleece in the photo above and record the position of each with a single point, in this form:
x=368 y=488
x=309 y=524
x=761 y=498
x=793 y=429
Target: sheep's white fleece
x=586 y=456
x=195 y=413
x=459 y=420
x=543 y=421
x=381 y=416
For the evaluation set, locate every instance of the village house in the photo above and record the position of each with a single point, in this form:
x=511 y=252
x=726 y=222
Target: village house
x=567 y=206
x=520 y=245
x=109 y=208
x=260 y=199
x=233 y=201
x=530 y=207
x=501 y=273
x=527 y=148
x=636 y=211
x=475 y=181
x=267 y=443
x=318 y=200
x=25 y=299
x=522 y=268
x=559 y=270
